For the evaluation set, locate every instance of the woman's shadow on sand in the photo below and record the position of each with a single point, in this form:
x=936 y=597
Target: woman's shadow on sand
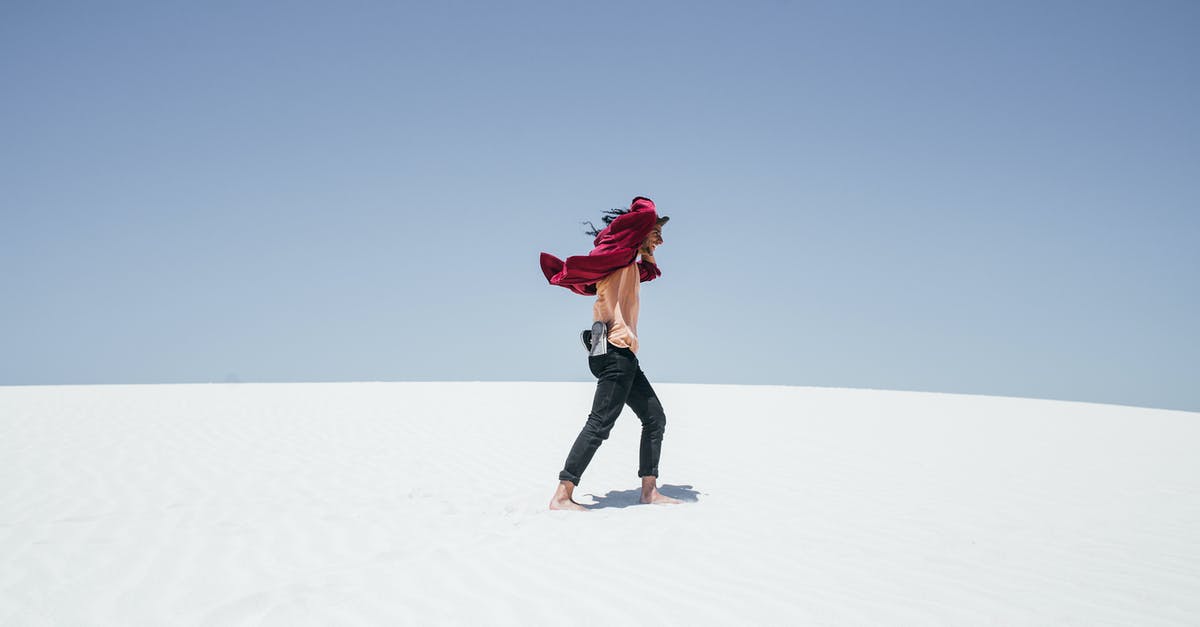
x=626 y=498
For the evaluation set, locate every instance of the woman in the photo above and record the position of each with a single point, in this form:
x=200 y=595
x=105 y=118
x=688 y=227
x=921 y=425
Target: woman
x=613 y=274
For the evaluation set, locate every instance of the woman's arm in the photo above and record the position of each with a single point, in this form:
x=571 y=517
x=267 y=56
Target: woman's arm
x=647 y=267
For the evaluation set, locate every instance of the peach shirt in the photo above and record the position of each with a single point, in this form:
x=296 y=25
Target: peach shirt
x=617 y=305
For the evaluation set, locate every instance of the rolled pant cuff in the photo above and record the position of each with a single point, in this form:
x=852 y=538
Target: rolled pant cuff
x=566 y=476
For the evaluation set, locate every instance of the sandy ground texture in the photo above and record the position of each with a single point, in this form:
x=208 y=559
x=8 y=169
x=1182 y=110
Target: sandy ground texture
x=426 y=503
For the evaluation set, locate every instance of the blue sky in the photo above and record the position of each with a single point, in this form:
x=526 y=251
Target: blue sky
x=940 y=196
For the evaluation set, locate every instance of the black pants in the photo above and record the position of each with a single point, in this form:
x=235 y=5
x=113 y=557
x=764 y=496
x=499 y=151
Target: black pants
x=620 y=382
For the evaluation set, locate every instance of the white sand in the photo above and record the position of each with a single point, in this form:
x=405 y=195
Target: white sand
x=394 y=504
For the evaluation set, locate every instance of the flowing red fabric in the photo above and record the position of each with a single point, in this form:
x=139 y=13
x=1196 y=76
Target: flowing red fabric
x=616 y=246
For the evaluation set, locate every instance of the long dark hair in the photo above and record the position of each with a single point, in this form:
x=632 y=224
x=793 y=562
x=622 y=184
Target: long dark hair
x=608 y=217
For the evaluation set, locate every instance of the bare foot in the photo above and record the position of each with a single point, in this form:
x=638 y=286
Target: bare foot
x=651 y=495
x=657 y=498
x=568 y=505
x=562 y=498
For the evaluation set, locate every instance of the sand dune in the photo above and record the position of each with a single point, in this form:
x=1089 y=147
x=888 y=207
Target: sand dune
x=425 y=503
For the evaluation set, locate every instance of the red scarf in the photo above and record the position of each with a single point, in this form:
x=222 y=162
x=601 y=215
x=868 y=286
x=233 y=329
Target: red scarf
x=615 y=247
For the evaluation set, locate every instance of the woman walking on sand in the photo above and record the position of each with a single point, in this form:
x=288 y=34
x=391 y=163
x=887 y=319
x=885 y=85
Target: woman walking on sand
x=613 y=274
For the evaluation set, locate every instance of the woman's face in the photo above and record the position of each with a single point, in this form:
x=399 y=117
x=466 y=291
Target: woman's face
x=655 y=236
x=654 y=239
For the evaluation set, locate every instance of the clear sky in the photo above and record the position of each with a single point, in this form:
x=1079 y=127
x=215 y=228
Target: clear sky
x=996 y=198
